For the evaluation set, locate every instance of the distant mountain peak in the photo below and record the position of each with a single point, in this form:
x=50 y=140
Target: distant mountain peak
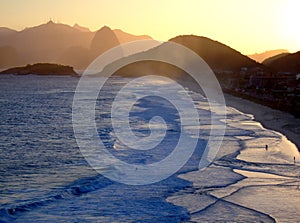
x=124 y=37
x=50 y=22
x=288 y=62
x=217 y=55
x=105 y=28
x=56 y=42
x=103 y=40
x=48 y=26
x=6 y=31
x=260 y=57
x=81 y=28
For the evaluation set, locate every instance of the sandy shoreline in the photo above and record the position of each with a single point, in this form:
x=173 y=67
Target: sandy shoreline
x=270 y=118
x=257 y=185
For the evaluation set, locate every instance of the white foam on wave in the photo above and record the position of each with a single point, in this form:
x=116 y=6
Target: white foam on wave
x=250 y=189
x=268 y=193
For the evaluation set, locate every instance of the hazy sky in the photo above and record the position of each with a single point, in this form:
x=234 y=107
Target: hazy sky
x=247 y=25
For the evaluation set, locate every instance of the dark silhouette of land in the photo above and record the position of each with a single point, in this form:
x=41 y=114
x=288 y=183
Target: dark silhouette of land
x=42 y=69
x=9 y=56
x=221 y=58
x=269 y=61
x=275 y=82
x=218 y=56
x=57 y=43
x=103 y=40
x=124 y=37
x=288 y=63
x=81 y=28
x=236 y=73
x=6 y=31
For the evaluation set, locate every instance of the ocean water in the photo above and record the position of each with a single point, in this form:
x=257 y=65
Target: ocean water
x=45 y=178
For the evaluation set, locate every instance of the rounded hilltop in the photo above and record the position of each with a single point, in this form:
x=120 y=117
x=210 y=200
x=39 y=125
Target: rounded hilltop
x=42 y=69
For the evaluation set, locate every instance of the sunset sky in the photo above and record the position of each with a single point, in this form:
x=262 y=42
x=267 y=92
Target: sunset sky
x=247 y=25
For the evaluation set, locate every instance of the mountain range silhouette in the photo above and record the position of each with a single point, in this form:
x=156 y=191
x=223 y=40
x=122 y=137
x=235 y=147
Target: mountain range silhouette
x=261 y=57
x=58 y=43
x=77 y=46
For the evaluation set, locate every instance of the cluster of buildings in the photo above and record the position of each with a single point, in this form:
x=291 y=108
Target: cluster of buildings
x=279 y=90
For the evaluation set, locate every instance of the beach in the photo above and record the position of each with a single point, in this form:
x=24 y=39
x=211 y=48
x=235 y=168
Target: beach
x=247 y=182
x=279 y=121
x=45 y=177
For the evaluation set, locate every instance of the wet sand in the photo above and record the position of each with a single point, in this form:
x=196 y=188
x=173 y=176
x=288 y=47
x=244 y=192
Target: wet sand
x=259 y=184
x=279 y=121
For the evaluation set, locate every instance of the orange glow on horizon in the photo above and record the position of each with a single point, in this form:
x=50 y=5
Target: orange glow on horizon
x=247 y=26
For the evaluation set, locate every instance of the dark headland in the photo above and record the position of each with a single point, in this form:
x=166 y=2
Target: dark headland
x=275 y=82
x=42 y=69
